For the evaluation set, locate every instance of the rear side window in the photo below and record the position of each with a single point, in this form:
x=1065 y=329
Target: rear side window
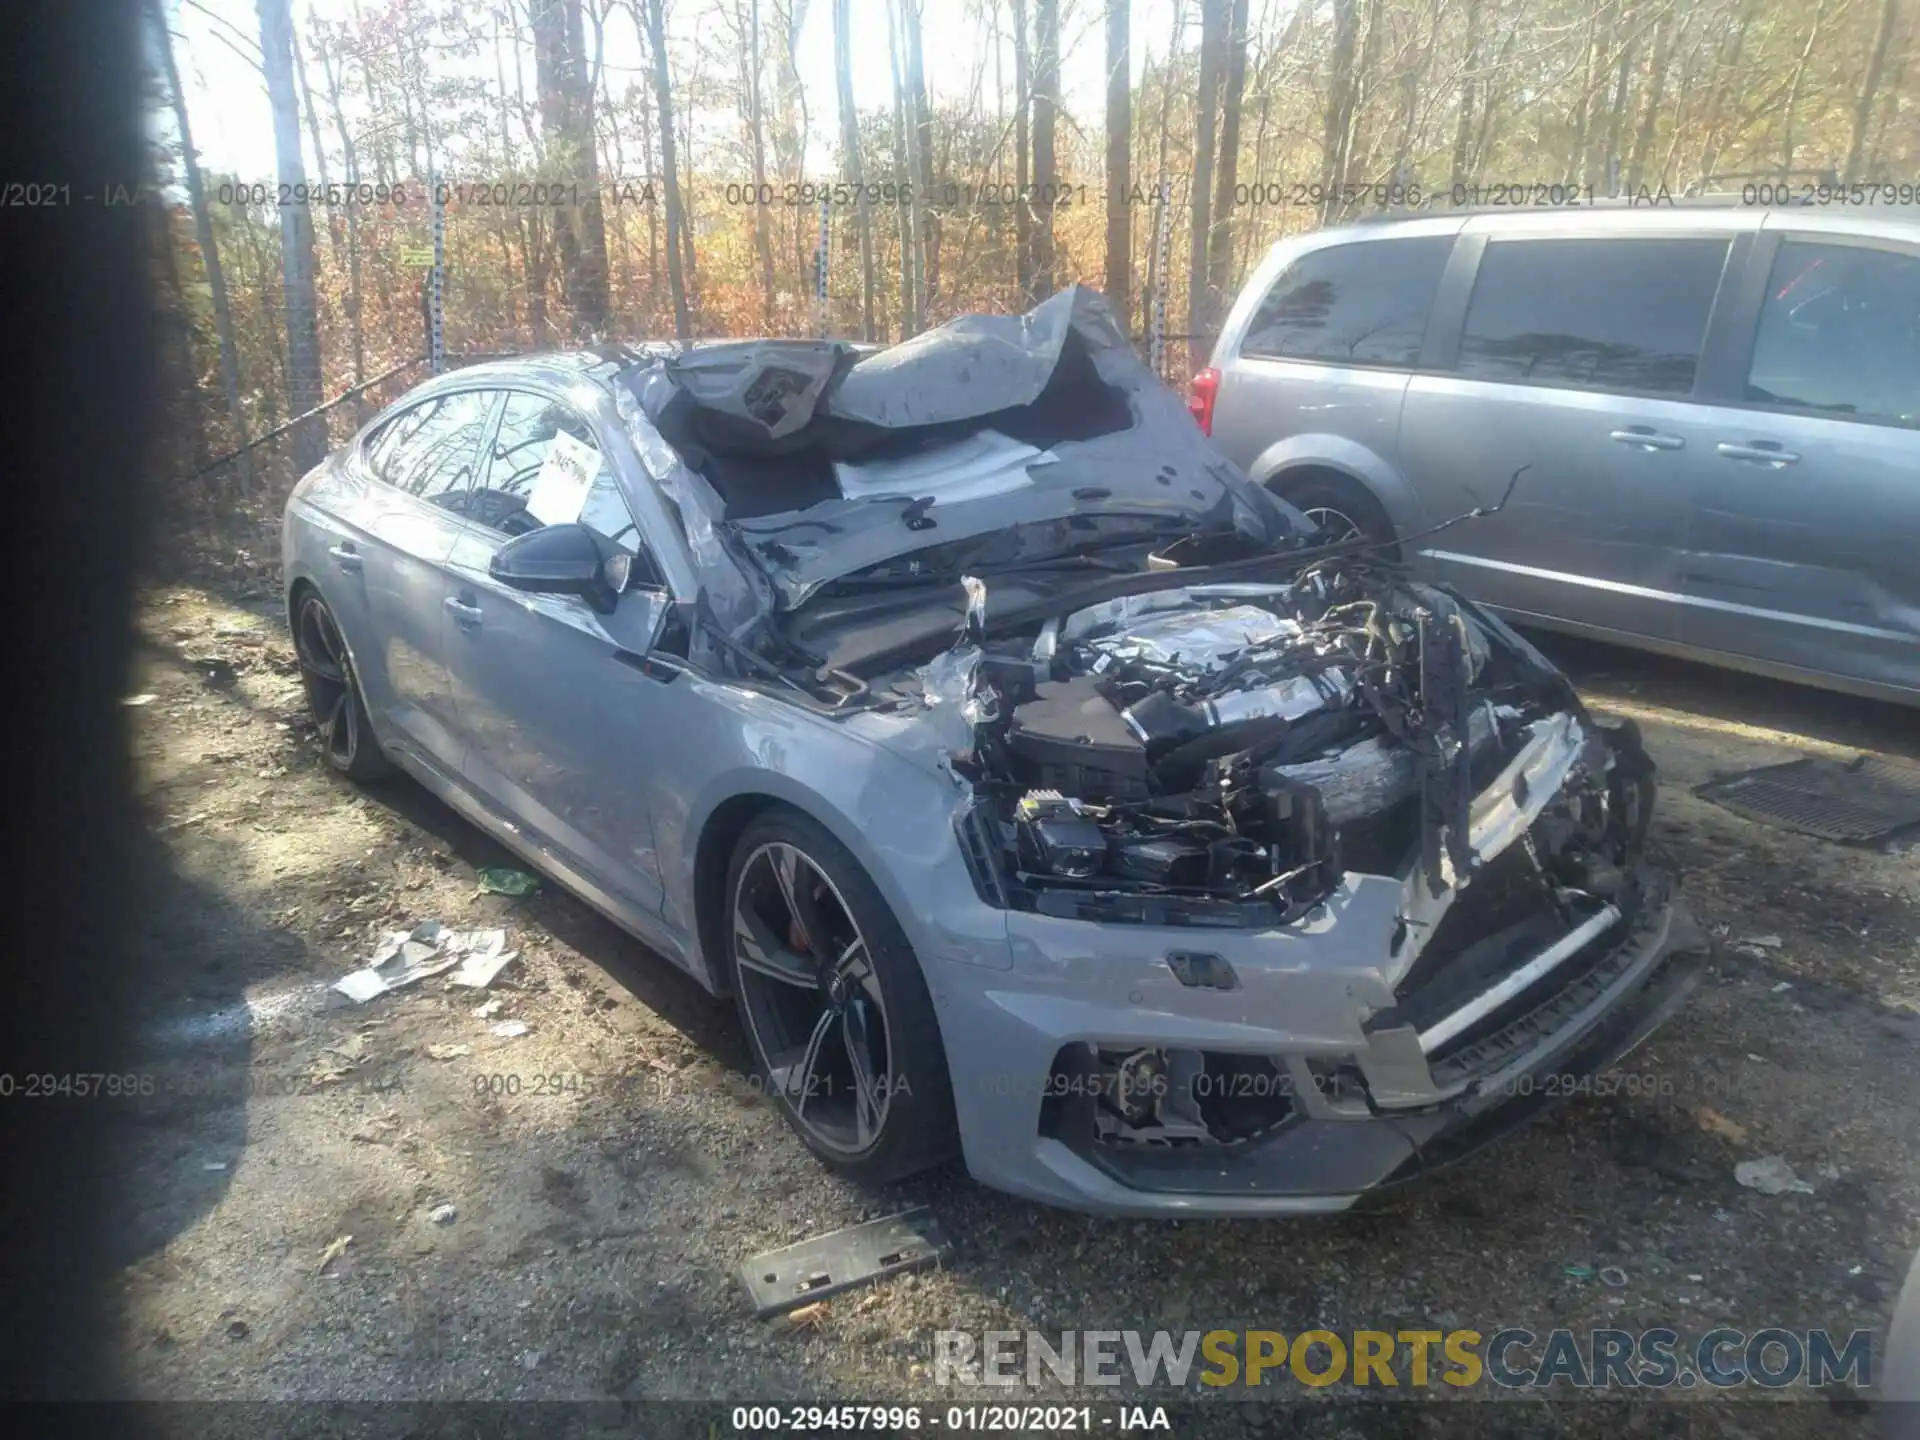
x=1840 y=334
x=431 y=450
x=1616 y=314
x=1363 y=303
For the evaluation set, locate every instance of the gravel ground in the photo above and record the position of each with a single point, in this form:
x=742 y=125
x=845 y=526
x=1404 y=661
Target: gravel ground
x=285 y=1228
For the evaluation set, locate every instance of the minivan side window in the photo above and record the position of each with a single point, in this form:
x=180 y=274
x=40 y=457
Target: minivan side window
x=431 y=449
x=1361 y=303
x=1624 y=313
x=1839 y=334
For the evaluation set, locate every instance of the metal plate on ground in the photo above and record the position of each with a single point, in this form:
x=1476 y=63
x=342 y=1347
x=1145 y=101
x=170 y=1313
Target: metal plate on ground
x=1854 y=801
x=795 y=1275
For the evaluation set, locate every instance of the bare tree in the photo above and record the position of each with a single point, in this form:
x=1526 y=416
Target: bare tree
x=676 y=216
x=1220 y=237
x=1663 y=39
x=1119 y=284
x=1022 y=156
x=920 y=152
x=304 y=386
x=566 y=123
x=850 y=160
x=1799 y=80
x=1869 y=83
x=1046 y=109
x=209 y=252
x=912 y=314
x=1463 y=117
x=752 y=112
x=1333 y=167
x=1213 y=15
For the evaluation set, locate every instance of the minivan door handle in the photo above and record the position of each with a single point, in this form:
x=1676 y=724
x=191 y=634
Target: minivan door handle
x=1766 y=452
x=345 y=557
x=1645 y=437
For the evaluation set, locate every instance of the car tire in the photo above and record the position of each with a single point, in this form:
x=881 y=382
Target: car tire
x=816 y=958
x=1343 y=505
x=334 y=700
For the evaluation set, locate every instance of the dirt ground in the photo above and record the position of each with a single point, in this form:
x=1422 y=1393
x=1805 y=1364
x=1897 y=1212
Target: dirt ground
x=282 y=1187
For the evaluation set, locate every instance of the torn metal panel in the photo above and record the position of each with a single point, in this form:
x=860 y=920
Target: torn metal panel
x=795 y=1275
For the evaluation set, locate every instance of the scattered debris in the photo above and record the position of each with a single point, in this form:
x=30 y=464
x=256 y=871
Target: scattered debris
x=798 y=1275
x=1756 y=947
x=1765 y=942
x=448 y=1052
x=1578 y=1272
x=144 y=698
x=214 y=1165
x=808 y=1317
x=478 y=970
x=405 y=956
x=503 y=880
x=530 y=1359
x=1714 y=1123
x=443 y=1214
x=1613 y=1276
x=509 y=1029
x=488 y=1010
x=1770 y=1175
x=335 y=1249
x=238 y=1330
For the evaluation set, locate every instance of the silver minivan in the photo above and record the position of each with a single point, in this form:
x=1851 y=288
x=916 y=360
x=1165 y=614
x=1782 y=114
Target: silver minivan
x=1718 y=407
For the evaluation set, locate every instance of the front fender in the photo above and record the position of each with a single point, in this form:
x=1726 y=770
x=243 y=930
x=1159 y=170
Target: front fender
x=1314 y=451
x=860 y=778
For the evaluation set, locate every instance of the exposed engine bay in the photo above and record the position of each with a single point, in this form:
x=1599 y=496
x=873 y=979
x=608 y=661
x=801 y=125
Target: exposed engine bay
x=1222 y=754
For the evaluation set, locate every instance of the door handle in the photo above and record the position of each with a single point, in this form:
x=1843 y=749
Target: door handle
x=1645 y=437
x=345 y=557
x=1764 y=451
x=464 y=612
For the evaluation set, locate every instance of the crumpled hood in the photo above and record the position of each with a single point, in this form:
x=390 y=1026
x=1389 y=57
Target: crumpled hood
x=1061 y=380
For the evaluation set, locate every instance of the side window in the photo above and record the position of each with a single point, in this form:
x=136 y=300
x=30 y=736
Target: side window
x=1363 y=303
x=1840 y=333
x=1615 y=314
x=431 y=450
x=547 y=469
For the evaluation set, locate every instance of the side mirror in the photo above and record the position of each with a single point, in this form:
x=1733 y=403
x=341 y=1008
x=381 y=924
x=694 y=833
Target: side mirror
x=560 y=560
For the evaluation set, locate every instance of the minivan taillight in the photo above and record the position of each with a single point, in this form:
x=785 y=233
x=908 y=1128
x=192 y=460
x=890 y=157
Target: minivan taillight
x=1206 y=386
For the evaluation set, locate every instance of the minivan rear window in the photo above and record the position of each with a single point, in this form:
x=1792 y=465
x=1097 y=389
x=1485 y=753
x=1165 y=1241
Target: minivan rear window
x=1627 y=313
x=1361 y=303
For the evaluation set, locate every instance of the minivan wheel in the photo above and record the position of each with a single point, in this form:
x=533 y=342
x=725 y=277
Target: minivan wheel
x=333 y=693
x=836 y=1011
x=1344 y=509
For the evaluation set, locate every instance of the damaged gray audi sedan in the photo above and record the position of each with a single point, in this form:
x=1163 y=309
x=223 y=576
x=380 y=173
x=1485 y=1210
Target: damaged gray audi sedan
x=1042 y=790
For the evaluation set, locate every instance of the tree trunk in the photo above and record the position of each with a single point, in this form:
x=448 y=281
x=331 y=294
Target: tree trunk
x=1413 y=75
x=1869 y=83
x=1022 y=155
x=319 y=150
x=850 y=159
x=1799 y=79
x=757 y=151
x=920 y=116
x=910 y=312
x=1663 y=39
x=1710 y=149
x=1609 y=166
x=209 y=251
x=296 y=237
x=572 y=157
x=1213 y=21
x=663 y=97
x=1333 y=147
x=1220 y=236
x=1463 y=121
x=1046 y=110
x=1119 y=284
x=352 y=159
x=1156 y=273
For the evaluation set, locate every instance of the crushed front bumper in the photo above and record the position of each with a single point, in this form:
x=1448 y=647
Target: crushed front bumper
x=1418 y=1087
